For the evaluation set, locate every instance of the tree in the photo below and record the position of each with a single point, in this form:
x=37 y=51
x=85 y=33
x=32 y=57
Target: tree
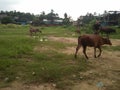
x=6 y=20
x=42 y=17
x=52 y=16
x=66 y=20
x=16 y=17
x=65 y=15
x=87 y=18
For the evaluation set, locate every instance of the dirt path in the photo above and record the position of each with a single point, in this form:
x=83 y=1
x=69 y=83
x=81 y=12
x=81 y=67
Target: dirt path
x=20 y=86
x=106 y=70
x=104 y=74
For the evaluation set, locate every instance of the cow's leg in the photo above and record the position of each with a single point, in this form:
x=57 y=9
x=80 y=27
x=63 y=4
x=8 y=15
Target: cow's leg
x=100 y=52
x=84 y=51
x=95 y=52
x=78 y=47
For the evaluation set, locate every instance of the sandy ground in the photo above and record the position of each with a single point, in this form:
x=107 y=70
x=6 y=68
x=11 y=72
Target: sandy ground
x=105 y=70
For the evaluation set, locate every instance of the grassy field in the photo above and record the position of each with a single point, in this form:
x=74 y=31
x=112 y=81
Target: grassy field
x=27 y=59
x=19 y=60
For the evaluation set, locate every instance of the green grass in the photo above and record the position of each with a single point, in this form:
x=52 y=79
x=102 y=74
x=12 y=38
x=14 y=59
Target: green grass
x=59 y=31
x=15 y=46
x=19 y=60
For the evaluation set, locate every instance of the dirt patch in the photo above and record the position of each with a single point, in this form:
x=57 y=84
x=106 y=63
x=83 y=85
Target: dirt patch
x=40 y=49
x=69 y=50
x=84 y=86
x=63 y=39
x=106 y=69
x=115 y=42
x=20 y=86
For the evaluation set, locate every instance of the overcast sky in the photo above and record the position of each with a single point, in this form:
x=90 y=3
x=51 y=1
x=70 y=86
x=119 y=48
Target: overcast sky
x=73 y=8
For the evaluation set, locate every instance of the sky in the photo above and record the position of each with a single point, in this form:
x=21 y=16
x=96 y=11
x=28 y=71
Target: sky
x=73 y=8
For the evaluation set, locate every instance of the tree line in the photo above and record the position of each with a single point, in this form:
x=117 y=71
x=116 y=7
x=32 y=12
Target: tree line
x=15 y=17
x=40 y=19
x=53 y=18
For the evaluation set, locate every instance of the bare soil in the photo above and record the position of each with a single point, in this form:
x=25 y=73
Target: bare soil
x=103 y=75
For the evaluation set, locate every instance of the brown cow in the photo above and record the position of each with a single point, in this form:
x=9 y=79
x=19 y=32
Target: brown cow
x=107 y=30
x=32 y=30
x=91 y=40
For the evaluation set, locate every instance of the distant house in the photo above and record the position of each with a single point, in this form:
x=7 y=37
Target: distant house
x=58 y=21
x=110 y=18
x=2 y=16
x=75 y=23
x=55 y=22
x=79 y=22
